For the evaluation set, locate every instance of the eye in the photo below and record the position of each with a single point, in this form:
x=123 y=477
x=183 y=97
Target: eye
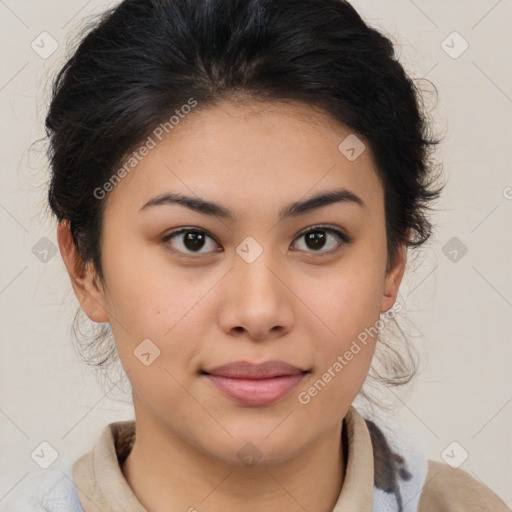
x=190 y=241
x=319 y=237
x=193 y=241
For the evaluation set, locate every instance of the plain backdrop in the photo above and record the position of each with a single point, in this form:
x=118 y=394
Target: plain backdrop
x=457 y=295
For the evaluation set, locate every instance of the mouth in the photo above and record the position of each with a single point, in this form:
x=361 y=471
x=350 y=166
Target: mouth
x=255 y=384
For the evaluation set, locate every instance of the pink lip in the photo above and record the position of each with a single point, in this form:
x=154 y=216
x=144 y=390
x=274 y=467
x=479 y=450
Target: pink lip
x=256 y=384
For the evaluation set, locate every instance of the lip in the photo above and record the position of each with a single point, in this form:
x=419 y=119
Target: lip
x=256 y=384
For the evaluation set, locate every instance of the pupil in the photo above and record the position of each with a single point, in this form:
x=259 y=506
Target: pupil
x=317 y=238
x=194 y=241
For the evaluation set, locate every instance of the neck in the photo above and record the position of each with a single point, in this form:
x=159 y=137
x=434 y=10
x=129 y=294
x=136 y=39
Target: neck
x=166 y=473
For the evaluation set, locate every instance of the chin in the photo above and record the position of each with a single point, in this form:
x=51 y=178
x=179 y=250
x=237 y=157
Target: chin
x=253 y=445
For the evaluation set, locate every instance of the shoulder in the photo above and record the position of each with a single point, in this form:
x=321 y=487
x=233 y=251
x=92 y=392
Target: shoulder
x=418 y=483
x=52 y=491
x=454 y=490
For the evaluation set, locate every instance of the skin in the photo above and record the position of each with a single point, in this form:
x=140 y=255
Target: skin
x=290 y=304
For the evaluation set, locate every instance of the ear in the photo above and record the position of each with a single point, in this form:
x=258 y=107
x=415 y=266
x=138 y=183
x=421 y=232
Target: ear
x=393 y=279
x=83 y=278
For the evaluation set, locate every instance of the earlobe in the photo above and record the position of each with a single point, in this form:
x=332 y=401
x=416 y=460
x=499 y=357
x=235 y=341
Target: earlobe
x=82 y=276
x=393 y=279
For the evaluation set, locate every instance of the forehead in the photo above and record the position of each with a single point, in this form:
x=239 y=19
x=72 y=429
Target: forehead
x=249 y=153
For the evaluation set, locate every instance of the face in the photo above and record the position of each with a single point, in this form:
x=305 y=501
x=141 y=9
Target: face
x=255 y=286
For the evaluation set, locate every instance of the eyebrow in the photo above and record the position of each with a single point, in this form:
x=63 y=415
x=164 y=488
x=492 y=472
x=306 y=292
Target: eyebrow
x=294 y=209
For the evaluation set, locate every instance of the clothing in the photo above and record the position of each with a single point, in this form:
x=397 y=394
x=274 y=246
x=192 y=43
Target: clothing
x=382 y=473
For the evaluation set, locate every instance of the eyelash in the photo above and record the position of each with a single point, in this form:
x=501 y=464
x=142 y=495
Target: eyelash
x=343 y=237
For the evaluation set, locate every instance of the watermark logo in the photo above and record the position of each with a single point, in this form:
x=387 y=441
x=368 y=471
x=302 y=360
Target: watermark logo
x=44 y=45
x=351 y=147
x=249 y=454
x=249 y=250
x=454 y=45
x=454 y=249
x=146 y=352
x=454 y=454
x=44 y=455
x=44 y=250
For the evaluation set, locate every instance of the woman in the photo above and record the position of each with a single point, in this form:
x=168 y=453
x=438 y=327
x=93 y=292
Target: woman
x=237 y=183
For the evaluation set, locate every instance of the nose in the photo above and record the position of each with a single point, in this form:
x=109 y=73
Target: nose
x=257 y=300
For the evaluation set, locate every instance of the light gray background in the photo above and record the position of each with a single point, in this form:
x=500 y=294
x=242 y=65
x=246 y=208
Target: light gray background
x=459 y=313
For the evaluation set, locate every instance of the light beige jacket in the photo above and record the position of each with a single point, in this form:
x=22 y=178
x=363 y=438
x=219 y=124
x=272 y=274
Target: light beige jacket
x=101 y=485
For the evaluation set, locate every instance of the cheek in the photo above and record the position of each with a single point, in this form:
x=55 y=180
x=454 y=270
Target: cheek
x=173 y=319
x=146 y=294
x=347 y=298
x=145 y=302
x=346 y=301
x=349 y=306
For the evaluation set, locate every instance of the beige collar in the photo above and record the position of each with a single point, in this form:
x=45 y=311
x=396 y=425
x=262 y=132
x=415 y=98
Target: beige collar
x=102 y=486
